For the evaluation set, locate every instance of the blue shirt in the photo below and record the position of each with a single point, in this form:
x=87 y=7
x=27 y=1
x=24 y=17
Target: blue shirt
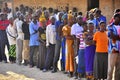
x=112 y=28
x=101 y=18
x=57 y=25
x=34 y=36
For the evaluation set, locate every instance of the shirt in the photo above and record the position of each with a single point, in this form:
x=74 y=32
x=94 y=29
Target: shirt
x=101 y=42
x=50 y=34
x=19 y=30
x=113 y=44
x=57 y=25
x=82 y=42
x=76 y=29
x=25 y=29
x=4 y=24
x=34 y=34
x=11 y=34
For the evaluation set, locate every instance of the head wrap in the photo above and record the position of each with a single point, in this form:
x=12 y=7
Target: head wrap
x=42 y=17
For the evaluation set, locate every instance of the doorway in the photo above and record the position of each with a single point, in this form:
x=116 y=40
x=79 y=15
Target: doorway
x=92 y=4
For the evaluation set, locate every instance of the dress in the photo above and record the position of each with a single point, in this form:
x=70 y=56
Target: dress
x=70 y=51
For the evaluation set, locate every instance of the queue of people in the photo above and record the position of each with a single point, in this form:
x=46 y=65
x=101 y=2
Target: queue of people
x=87 y=47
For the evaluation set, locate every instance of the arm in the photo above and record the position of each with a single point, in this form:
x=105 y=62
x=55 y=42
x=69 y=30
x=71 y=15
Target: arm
x=47 y=36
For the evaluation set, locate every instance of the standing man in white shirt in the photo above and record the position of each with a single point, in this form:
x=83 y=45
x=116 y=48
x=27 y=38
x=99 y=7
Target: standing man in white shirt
x=50 y=43
x=19 y=40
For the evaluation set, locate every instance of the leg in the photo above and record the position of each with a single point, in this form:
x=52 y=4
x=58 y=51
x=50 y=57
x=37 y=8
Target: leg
x=111 y=64
x=117 y=68
x=57 y=54
x=31 y=55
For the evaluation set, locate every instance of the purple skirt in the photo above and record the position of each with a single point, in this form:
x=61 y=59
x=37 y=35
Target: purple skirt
x=89 y=59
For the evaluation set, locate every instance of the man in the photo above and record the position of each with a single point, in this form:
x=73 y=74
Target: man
x=34 y=39
x=50 y=44
x=99 y=17
x=19 y=40
x=58 y=43
x=76 y=29
x=114 y=56
x=3 y=37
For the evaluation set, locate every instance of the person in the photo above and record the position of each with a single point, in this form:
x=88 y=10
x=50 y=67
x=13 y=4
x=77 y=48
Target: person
x=58 y=43
x=63 y=44
x=26 y=48
x=81 y=51
x=89 y=50
x=19 y=40
x=69 y=66
x=99 y=17
x=3 y=37
x=12 y=34
x=114 y=56
x=101 y=56
x=76 y=29
x=42 y=39
x=50 y=44
x=92 y=19
x=34 y=37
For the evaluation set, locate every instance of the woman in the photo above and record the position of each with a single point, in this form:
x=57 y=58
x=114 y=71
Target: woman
x=101 y=55
x=12 y=34
x=89 y=50
x=69 y=66
x=42 y=39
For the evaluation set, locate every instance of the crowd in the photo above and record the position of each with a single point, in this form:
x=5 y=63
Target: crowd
x=89 y=46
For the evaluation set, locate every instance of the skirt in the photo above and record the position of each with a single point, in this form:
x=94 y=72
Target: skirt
x=81 y=61
x=89 y=59
x=100 y=65
x=41 y=56
x=12 y=53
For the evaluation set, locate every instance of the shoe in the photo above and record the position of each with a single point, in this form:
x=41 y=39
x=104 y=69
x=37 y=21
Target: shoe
x=54 y=71
x=5 y=61
x=76 y=77
x=44 y=70
x=25 y=63
x=31 y=66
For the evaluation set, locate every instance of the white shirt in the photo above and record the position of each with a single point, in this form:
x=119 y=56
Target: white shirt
x=76 y=29
x=11 y=34
x=19 y=30
x=50 y=35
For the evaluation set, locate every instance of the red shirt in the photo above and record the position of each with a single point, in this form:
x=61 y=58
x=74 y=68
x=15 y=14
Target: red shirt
x=4 y=24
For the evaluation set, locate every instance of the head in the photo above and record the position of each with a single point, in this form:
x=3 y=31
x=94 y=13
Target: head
x=70 y=19
x=47 y=14
x=91 y=27
x=117 y=11
x=97 y=13
x=117 y=19
x=42 y=20
x=80 y=13
x=85 y=27
x=52 y=19
x=21 y=17
x=11 y=20
x=65 y=19
x=80 y=20
x=16 y=9
x=91 y=16
x=60 y=15
x=102 y=26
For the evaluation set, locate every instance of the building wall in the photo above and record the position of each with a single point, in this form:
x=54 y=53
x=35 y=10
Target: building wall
x=107 y=6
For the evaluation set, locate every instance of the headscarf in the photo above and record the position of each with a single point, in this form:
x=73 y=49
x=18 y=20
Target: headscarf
x=42 y=17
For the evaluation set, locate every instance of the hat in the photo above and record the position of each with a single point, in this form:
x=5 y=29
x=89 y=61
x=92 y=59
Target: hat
x=70 y=12
x=42 y=17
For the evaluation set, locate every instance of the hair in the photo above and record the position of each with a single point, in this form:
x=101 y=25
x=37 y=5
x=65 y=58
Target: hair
x=117 y=10
x=101 y=22
x=80 y=13
x=116 y=15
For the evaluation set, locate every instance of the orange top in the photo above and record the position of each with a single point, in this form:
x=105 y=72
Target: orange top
x=101 y=41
